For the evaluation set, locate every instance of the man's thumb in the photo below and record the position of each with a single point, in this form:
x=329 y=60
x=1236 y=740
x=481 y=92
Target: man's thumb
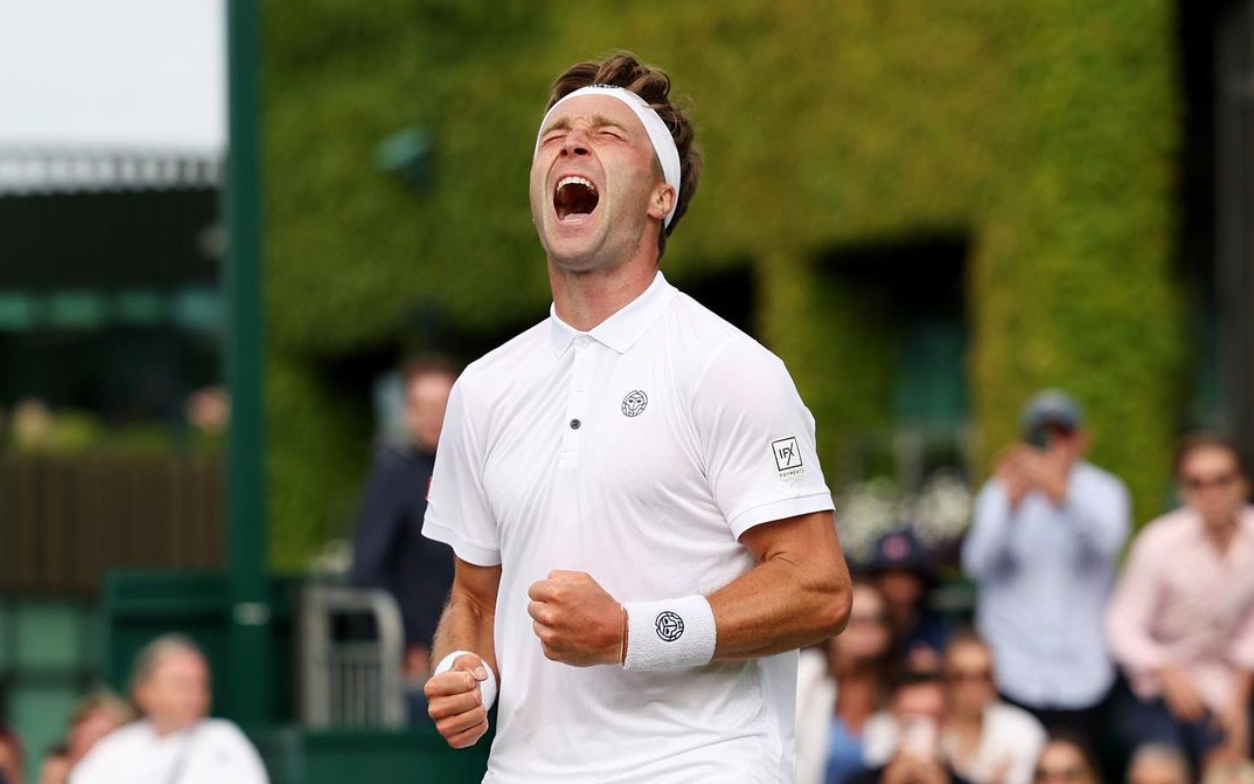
x=472 y=664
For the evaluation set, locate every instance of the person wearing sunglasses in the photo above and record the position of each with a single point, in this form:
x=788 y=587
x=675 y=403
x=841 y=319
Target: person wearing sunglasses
x=841 y=684
x=986 y=740
x=1181 y=623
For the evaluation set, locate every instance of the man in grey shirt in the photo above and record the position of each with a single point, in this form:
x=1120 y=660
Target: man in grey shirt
x=1042 y=549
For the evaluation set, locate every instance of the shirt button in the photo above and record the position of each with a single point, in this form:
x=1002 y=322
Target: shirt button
x=582 y=341
x=574 y=424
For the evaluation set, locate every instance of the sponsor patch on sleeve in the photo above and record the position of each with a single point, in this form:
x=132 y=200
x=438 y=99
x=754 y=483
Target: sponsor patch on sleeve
x=787 y=457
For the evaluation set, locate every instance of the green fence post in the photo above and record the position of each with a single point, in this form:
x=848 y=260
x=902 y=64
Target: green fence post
x=248 y=695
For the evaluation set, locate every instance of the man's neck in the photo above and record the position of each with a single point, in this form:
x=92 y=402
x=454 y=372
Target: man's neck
x=585 y=299
x=1221 y=532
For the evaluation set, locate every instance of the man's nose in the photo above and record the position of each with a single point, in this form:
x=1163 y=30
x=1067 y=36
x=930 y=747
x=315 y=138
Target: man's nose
x=575 y=143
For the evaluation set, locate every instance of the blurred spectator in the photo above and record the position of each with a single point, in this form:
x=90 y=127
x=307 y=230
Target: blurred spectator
x=1042 y=547
x=1067 y=759
x=94 y=717
x=389 y=551
x=1230 y=771
x=985 y=740
x=839 y=687
x=1155 y=763
x=55 y=768
x=12 y=758
x=905 y=743
x=175 y=741
x=1182 y=620
x=209 y=410
x=904 y=573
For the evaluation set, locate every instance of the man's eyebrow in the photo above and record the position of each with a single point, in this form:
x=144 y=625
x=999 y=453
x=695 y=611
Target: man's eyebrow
x=598 y=121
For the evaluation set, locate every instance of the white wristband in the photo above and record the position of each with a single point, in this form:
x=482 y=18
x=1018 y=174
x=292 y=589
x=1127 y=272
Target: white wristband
x=669 y=634
x=486 y=688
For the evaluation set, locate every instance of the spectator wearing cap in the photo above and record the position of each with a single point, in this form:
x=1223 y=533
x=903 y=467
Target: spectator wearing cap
x=1042 y=549
x=902 y=569
x=1181 y=622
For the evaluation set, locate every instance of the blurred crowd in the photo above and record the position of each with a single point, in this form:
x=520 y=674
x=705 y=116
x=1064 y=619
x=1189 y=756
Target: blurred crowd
x=1073 y=671
x=161 y=733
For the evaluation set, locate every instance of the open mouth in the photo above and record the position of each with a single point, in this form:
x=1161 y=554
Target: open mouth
x=574 y=198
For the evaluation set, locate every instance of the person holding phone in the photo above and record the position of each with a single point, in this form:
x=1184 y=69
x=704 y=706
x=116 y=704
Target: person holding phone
x=903 y=744
x=1042 y=546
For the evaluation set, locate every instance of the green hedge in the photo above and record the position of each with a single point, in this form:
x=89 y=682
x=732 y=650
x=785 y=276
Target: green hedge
x=1044 y=132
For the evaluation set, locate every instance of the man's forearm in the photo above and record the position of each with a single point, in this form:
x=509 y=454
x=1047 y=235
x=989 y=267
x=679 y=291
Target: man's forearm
x=779 y=606
x=466 y=625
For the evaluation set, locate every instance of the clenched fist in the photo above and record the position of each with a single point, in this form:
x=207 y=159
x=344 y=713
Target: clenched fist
x=455 y=701
x=578 y=623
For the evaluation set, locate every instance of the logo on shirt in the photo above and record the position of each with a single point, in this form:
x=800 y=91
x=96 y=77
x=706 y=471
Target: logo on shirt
x=787 y=457
x=635 y=403
x=670 y=626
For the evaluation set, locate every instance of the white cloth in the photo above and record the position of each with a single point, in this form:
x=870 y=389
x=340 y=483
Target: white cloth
x=1045 y=574
x=1009 y=746
x=212 y=752
x=816 y=703
x=638 y=452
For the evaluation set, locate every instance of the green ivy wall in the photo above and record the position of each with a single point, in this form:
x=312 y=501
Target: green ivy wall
x=1045 y=133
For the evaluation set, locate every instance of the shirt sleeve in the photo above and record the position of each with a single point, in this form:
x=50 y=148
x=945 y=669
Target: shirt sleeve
x=987 y=545
x=1132 y=608
x=1100 y=514
x=757 y=439
x=458 y=512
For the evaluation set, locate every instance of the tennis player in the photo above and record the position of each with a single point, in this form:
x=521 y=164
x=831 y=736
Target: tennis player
x=643 y=534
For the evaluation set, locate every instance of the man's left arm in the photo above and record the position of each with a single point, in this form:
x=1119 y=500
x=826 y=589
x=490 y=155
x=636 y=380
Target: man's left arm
x=796 y=595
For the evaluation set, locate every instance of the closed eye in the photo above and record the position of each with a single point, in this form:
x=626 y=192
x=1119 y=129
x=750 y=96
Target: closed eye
x=553 y=137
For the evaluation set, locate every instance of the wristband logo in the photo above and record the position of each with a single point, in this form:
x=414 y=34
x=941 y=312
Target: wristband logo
x=670 y=627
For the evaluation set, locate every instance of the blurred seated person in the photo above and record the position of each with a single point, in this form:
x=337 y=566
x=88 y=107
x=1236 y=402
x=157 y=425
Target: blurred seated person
x=840 y=685
x=1067 y=759
x=986 y=740
x=12 y=758
x=903 y=571
x=55 y=768
x=903 y=744
x=1155 y=763
x=94 y=717
x=389 y=551
x=1042 y=547
x=174 y=742
x=1182 y=620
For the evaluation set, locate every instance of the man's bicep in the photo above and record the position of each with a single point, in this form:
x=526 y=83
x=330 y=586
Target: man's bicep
x=807 y=540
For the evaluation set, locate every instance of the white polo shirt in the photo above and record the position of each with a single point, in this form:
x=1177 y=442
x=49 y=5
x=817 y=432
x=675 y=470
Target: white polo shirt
x=637 y=452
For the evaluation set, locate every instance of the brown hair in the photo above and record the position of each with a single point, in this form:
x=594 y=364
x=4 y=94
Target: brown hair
x=624 y=69
x=428 y=365
x=1191 y=443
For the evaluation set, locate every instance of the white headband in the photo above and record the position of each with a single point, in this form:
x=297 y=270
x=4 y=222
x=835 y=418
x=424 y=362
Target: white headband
x=659 y=134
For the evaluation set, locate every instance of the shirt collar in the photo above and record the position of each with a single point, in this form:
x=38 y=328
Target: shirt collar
x=621 y=330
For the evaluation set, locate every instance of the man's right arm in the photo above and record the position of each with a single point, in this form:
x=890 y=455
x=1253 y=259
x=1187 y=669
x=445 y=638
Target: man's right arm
x=987 y=543
x=454 y=698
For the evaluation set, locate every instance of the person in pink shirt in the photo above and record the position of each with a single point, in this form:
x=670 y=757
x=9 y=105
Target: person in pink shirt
x=1181 y=622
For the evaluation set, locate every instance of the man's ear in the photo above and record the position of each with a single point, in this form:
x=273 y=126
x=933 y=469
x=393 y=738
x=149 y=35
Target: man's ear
x=661 y=200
